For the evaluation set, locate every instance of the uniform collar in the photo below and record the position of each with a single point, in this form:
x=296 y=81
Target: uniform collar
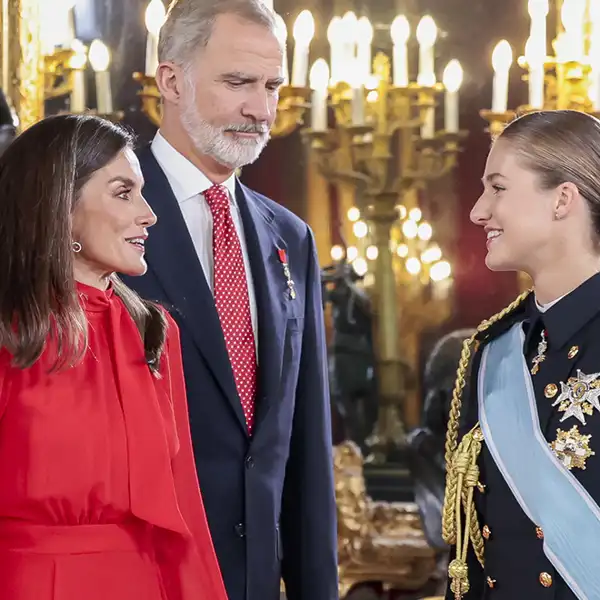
x=572 y=312
x=187 y=181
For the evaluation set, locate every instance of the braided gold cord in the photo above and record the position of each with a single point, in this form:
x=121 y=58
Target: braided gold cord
x=462 y=472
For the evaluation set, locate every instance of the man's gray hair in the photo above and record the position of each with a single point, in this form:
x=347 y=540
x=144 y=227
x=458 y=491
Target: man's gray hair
x=189 y=25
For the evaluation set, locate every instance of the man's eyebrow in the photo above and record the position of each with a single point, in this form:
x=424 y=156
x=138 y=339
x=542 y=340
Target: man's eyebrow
x=246 y=78
x=239 y=75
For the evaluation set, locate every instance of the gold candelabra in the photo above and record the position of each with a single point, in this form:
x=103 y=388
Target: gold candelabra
x=567 y=79
x=385 y=159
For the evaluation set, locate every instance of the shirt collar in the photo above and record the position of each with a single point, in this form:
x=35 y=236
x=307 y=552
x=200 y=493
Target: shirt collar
x=565 y=317
x=545 y=307
x=187 y=181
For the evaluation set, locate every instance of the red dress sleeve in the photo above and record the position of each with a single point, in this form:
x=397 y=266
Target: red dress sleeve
x=189 y=569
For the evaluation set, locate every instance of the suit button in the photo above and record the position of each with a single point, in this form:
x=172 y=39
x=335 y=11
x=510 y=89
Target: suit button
x=486 y=532
x=546 y=579
x=240 y=530
x=491 y=582
x=539 y=532
x=249 y=462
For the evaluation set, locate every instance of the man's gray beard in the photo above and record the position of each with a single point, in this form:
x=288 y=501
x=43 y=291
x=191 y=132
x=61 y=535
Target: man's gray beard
x=215 y=142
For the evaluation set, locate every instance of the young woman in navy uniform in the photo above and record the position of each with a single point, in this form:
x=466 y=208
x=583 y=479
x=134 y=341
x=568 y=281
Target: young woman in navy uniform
x=523 y=443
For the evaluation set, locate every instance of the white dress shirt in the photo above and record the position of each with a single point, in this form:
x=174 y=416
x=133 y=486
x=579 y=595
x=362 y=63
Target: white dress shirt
x=189 y=184
x=544 y=307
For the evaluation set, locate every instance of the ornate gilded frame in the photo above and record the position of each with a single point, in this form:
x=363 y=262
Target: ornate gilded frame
x=21 y=59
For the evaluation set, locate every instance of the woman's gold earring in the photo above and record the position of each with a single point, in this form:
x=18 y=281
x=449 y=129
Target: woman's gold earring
x=76 y=246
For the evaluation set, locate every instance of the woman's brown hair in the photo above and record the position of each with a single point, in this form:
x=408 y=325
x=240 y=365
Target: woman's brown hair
x=560 y=146
x=41 y=177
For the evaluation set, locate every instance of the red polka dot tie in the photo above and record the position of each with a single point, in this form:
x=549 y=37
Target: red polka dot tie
x=231 y=299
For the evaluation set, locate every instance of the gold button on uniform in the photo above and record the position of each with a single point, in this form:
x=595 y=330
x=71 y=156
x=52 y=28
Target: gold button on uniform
x=490 y=582
x=573 y=352
x=546 y=579
x=481 y=487
x=486 y=532
x=539 y=532
x=551 y=390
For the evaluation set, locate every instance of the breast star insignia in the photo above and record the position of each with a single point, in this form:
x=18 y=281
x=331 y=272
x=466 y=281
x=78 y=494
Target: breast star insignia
x=579 y=396
x=572 y=448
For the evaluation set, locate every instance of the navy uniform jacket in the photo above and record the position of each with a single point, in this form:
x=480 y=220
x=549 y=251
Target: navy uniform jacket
x=269 y=499
x=515 y=565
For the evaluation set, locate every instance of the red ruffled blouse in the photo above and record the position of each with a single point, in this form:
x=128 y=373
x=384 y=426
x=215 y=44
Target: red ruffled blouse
x=99 y=497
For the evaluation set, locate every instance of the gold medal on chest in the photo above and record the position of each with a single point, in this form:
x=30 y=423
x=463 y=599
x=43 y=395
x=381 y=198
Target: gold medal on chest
x=579 y=396
x=572 y=448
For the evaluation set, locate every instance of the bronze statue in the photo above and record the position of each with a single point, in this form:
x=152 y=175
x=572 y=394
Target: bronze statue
x=426 y=443
x=351 y=354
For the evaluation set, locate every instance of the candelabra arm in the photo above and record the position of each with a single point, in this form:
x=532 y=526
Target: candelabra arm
x=151 y=102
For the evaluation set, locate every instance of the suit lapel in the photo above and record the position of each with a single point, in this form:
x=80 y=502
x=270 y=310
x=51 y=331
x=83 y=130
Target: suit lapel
x=263 y=243
x=171 y=255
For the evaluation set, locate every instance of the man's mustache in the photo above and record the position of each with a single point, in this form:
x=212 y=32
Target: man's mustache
x=248 y=128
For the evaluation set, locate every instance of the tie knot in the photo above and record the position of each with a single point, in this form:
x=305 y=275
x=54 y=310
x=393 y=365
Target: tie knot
x=217 y=198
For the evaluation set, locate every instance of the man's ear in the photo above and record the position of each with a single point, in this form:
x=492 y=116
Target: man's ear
x=170 y=82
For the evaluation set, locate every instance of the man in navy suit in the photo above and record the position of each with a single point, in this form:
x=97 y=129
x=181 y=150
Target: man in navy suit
x=242 y=277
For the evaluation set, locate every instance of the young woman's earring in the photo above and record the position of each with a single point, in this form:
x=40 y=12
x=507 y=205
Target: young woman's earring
x=76 y=246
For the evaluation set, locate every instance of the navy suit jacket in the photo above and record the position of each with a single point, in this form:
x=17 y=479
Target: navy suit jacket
x=270 y=497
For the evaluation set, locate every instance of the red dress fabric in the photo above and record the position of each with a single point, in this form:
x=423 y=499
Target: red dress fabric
x=99 y=498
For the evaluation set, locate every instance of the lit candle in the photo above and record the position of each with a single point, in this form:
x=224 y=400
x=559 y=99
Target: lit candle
x=155 y=17
x=100 y=60
x=281 y=33
x=335 y=37
x=364 y=51
x=453 y=77
x=573 y=18
x=535 y=65
x=349 y=32
x=535 y=51
x=77 y=64
x=319 y=80
x=426 y=36
x=400 y=32
x=538 y=11
x=502 y=58
x=304 y=31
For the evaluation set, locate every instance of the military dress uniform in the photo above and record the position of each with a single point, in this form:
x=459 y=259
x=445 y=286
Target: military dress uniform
x=562 y=351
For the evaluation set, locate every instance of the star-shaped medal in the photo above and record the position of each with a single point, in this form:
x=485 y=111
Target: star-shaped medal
x=572 y=448
x=577 y=395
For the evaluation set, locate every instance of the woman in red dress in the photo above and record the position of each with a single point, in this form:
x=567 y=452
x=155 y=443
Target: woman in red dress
x=99 y=498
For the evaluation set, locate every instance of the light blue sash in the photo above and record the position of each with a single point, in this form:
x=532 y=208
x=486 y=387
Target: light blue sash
x=548 y=493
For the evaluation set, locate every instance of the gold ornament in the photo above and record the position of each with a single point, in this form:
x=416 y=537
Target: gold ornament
x=572 y=448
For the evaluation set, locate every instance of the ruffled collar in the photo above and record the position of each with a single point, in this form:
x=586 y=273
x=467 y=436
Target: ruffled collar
x=94 y=299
